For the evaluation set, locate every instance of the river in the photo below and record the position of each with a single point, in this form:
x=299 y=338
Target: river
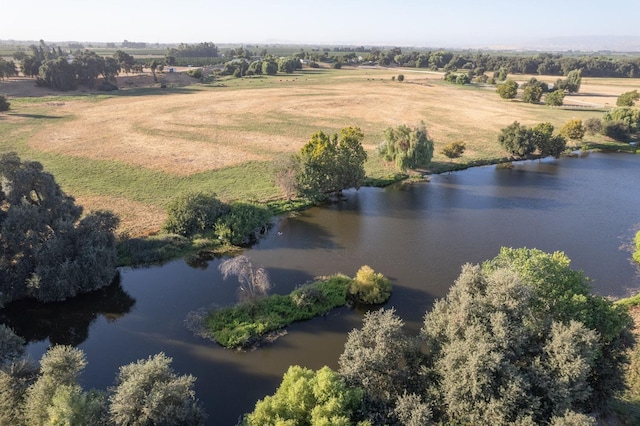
x=418 y=235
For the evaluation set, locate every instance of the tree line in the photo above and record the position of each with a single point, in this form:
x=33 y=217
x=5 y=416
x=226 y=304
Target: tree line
x=542 y=63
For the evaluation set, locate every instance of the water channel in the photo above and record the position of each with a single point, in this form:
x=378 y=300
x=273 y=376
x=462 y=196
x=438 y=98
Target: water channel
x=418 y=235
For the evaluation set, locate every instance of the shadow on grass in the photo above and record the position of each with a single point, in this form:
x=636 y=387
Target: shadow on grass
x=37 y=116
x=155 y=91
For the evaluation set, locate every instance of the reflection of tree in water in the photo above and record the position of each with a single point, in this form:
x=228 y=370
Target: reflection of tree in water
x=66 y=323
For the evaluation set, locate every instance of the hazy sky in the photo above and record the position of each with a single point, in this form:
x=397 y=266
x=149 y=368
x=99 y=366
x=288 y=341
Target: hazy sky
x=407 y=23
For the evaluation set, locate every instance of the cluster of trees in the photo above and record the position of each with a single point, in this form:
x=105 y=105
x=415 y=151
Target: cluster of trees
x=533 y=89
x=408 y=147
x=146 y=392
x=7 y=69
x=619 y=123
x=238 y=223
x=206 y=49
x=521 y=141
x=326 y=164
x=542 y=64
x=456 y=78
x=518 y=340
x=48 y=250
x=65 y=71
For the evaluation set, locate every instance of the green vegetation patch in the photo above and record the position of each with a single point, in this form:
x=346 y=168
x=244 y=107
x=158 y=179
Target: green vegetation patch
x=245 y=324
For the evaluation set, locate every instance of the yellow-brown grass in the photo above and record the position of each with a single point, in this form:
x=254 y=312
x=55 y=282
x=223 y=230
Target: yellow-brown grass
x=187 y=132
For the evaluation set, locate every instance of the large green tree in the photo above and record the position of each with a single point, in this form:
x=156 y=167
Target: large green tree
x=49 y=251
x=508 y=89
x=516 y=139
x=331 y=163
x=307 y=397
x=409 y=147
x=628 y=99
x=555 y=98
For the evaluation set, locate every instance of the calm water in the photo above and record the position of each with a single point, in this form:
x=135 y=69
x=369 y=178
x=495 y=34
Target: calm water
x=418 y=235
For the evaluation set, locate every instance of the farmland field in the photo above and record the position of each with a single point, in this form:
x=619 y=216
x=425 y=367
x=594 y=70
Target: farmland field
x=133 y=151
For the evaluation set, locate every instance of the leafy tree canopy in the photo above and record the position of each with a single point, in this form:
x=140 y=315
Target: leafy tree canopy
x=508 y=89
x=628 y=99
x=307 y=397
x=49 y=252
x=329 y=164
x=409 y=147
x=555 y=98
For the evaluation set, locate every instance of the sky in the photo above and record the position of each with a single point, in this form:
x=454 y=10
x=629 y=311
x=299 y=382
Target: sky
x=419 y=23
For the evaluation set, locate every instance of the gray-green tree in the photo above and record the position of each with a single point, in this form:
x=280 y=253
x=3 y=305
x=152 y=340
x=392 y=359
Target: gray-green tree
x=508 y=89
x=628 y=99
x=149 y=392
x=253 y=281
x=383 y=361
x=520 y=340
x=49 y=252
x=516 y=139
x=555 y=98
x=331 y=163
x=56 y=397
x=408 y=147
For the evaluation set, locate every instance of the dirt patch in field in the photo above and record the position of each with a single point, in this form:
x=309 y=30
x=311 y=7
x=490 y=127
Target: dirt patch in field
x=209 y=129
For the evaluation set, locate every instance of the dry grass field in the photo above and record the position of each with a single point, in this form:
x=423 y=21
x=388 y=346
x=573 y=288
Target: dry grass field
x=131 y=152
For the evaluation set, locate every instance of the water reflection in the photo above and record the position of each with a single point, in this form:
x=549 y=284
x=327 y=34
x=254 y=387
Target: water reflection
x=66 y=323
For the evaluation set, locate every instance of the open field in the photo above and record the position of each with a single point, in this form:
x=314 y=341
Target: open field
x=133 y=151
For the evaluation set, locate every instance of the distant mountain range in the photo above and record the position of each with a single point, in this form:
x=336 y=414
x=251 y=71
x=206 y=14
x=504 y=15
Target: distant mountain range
x=594 y=43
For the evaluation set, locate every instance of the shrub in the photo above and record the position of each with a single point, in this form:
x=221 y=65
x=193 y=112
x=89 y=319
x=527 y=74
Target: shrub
x=454 y=149
x=573 y=129
x=195 y=73
x=616 y=130
x=4 y=104
x=194 y=213
x=401 y=78
x=242 y=223
x=107 y=86
x=337 y=65
x=369 y=287
x=592 y=125
x=630 y=116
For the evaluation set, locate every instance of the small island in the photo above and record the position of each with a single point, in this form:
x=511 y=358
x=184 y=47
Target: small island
x=259 y=318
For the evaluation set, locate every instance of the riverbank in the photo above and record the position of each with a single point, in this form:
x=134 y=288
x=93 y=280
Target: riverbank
x=160 y=248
